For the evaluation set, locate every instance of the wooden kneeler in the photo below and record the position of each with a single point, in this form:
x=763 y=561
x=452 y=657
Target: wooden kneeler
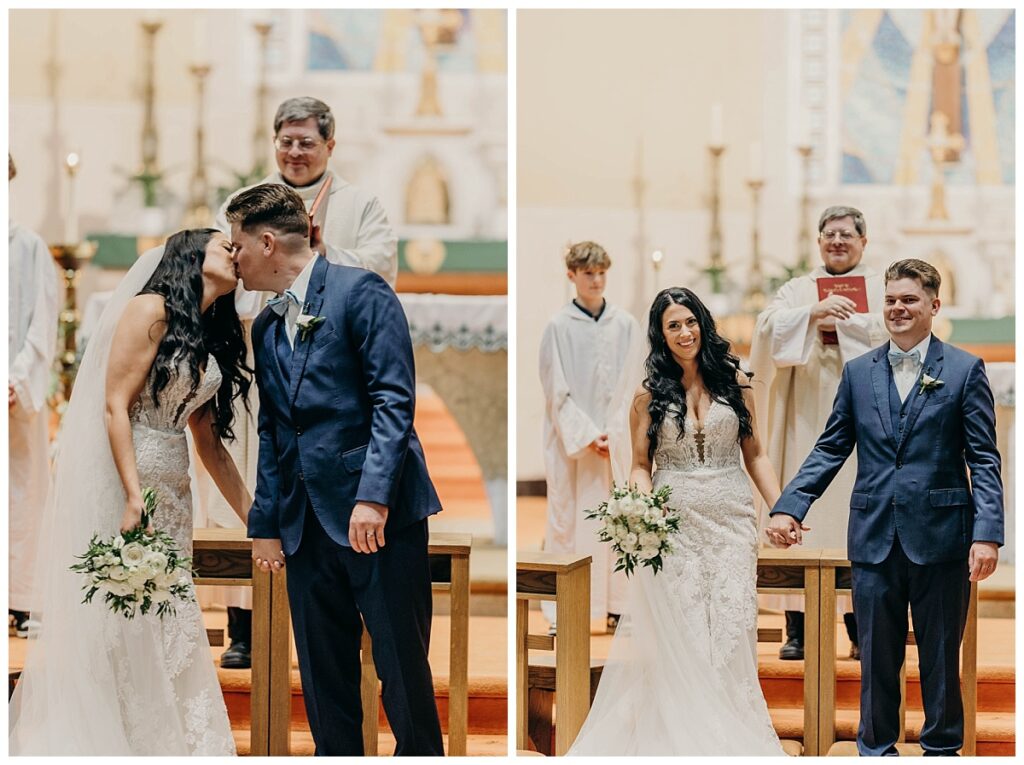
x=968 y=688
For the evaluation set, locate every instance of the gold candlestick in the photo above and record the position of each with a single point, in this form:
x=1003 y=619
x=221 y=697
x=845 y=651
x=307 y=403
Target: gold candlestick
x=259 y=135
x=805 y=240
x=71 y=258
x=715 y=269
x=754 y=300
x=149 y=176
x=199 y=214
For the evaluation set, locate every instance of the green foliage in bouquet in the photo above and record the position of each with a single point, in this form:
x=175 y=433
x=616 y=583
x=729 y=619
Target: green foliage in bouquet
x=137 y=571
x=638 y=526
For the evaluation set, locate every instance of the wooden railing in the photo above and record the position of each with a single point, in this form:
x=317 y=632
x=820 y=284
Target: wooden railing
x=564 y=579
x=796 y=571
x=836 y=578
x=223 y=557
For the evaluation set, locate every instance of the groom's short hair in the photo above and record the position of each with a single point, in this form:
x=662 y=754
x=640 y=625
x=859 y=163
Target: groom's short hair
x=911 y=268
x=269 y=205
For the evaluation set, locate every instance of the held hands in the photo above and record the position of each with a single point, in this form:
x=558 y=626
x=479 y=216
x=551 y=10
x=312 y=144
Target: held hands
x=982 y=560
x=132 y=517
x=600 y=445
x=366 y=527
x=785 y=530
x=268 y=554
x=831 y=308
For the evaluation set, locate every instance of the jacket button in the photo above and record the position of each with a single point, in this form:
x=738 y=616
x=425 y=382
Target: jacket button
x=298 y=431
x=899 y=465
x=302 y=477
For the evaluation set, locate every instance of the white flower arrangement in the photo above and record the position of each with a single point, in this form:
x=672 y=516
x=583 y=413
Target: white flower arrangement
x=307 y=324
x=638 y=526
x=137 y=571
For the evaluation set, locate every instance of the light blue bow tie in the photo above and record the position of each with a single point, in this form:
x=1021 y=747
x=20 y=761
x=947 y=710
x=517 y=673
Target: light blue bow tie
x=280 y=303
x=897 y=356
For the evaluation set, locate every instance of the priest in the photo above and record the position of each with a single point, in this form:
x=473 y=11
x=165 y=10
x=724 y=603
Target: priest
x=801 y=342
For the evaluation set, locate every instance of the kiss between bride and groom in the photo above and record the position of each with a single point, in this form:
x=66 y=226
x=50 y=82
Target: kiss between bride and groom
x=926 y=520
x=342 y=495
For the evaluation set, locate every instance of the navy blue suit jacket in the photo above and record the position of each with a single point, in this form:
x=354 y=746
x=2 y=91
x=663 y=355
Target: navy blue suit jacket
x=337 y=425
x=913 y=482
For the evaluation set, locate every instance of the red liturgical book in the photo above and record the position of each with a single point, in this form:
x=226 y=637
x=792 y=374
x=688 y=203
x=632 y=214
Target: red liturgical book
x=852 y=287
x=318 y=211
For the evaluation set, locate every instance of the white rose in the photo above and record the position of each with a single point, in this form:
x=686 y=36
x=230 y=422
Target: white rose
x=165 y=580
x=629 y=542
x=648 y=553
x=118 y=573
x=116 y=588
x=133 y=554
x=137 y=580
x=157 y=561
x=650 y=540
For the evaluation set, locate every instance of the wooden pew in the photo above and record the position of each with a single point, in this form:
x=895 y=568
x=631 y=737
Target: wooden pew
x=564 y=579
x=836 y=578
x=449 y=572
x=223 y=557
x=796 y=571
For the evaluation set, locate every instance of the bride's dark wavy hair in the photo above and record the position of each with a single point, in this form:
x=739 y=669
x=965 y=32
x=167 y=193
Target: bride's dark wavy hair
x=192 y=335
x=717 y=365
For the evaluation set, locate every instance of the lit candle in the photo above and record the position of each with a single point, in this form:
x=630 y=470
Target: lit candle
x=756 y=164
x=716 y=125
x=71 y=223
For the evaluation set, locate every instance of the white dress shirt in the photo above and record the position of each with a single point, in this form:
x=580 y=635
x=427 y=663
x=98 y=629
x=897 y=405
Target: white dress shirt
x=298 y=288
x=905 y=373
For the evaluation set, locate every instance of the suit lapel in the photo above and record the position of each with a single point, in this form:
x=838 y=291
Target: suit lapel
x=314 y=302
x=932 y=367
x=274 y=325
x=880 y=386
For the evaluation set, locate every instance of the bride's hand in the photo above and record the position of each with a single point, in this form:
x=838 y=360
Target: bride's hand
x=133 y=516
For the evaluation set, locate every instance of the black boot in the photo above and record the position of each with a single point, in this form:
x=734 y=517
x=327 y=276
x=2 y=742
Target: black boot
x=794 y=646
x=851 y=632
x=239 y=653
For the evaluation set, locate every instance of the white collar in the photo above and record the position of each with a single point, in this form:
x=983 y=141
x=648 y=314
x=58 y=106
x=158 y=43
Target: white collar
x=921 y=346
x=301 y=283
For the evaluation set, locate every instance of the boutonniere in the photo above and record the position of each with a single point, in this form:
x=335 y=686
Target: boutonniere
x=307 y=324
x=928 y=383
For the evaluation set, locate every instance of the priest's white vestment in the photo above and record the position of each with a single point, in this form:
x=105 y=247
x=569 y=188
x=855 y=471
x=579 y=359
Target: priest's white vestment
x=590 y=371
x=796 y=377
x=32 y=314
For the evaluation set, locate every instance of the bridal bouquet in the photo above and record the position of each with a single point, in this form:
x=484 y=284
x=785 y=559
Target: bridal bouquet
x=637 y=526
x=136 y=570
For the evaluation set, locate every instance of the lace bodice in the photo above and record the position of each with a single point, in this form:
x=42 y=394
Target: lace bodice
x=177 y=401
x=714 y=446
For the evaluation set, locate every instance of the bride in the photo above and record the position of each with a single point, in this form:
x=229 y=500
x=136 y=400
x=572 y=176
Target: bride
x=681 y=677
x=169 y=351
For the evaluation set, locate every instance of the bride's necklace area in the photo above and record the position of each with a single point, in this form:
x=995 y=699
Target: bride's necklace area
x=695 y=402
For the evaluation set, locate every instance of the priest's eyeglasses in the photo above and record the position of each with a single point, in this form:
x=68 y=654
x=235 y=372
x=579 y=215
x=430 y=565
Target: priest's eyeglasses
x=843 y=236
x=284 y=143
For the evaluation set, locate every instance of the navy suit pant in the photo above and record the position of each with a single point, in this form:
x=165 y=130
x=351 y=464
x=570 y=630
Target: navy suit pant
x=938 y=596
x=331 y=590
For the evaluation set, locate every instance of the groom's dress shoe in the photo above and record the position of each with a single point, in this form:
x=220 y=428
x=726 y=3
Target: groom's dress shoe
x=238 y=656
x=793 y=649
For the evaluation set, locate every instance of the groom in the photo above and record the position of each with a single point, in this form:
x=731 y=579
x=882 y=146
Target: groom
x=342 y=491
x=921 y=415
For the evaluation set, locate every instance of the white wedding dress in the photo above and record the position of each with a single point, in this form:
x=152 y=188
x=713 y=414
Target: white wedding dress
x=94 y=682
x=681 y=676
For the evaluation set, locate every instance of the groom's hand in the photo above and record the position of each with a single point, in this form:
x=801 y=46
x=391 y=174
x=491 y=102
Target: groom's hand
x=366 y=527
x=982 y=560
x=267 y=554
x=785 y=530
